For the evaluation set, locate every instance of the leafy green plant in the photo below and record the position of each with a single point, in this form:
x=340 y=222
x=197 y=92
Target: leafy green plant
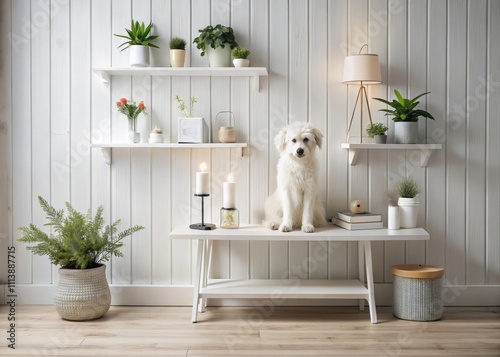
x=240 y=52
x=183 y=107
x=376 y=129
x=404 y=109
x=79 y=241
x=218 y=36
x=138 y=34
x=407 y=188
x=177 y=43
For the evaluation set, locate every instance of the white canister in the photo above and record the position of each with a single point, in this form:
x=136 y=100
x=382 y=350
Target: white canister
x=408 y=211
x=393 y=217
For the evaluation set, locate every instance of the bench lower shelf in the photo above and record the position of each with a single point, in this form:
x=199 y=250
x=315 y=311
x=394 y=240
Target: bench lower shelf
x=291 y=289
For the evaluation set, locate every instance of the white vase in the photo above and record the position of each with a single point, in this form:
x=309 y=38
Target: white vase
x=408 y=212
x=219 y=57
x=393 y=221
x=139 y=56
x=177 y=58
x=134 y=137
x=241 y=62
x=406 y=132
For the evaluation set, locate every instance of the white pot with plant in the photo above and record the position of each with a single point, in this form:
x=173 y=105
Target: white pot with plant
x=217 y=41
x=190 y=129
x=177 y=52
x=139 y=40
x=79 y=244
x=377 y=131
x=156 y=136
x=131 y=110
x=405 y=117
x=408 y=203
x=240 y=56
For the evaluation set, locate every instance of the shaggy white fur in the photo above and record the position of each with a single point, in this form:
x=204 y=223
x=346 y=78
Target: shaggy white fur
x=295 y=203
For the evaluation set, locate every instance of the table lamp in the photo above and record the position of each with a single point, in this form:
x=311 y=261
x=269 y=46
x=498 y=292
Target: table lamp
x=361 y=69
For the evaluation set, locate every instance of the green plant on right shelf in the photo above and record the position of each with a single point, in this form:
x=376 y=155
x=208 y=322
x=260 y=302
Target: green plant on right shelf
x=404 y=109
x=177 y=43
x=240 y=53
x=407 y=188
x=373 y=129
x=215 y=36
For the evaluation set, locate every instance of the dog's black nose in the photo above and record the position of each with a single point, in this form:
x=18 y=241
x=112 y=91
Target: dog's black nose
x=300 y=151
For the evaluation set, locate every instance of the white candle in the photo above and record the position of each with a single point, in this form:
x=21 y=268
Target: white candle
x=229 y=192
x=202 y=181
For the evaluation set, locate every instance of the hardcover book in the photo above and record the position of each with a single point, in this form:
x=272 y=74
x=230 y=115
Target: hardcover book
x=358 y=226
x=359 y=217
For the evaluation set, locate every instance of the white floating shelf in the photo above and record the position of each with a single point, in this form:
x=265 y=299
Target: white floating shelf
x=425 y=150
x=106 y=147
x=255 y=72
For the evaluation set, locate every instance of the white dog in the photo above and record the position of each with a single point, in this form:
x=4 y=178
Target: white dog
x=295 y=203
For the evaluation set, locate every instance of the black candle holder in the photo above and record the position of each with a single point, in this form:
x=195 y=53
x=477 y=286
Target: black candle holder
x=202 y=226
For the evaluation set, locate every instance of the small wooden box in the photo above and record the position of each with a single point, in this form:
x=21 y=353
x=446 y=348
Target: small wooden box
x=192 y=130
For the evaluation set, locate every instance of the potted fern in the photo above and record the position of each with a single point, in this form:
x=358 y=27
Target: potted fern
x=139 y=39
x=217 y=41
x=407 y=190
x=405 y=117
x=240 y=55
x=377 y=131
x=79 y=244
x=177 y=52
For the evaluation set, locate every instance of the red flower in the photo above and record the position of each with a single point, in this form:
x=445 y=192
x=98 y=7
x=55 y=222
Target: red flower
x=123 y=100
x=118 y=104
x=141 y=105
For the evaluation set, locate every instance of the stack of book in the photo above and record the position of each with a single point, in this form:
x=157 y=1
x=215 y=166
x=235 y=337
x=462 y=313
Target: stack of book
x=355 y=221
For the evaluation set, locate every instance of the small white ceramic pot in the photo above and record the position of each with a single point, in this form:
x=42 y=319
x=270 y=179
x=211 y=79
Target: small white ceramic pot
x=139 y=56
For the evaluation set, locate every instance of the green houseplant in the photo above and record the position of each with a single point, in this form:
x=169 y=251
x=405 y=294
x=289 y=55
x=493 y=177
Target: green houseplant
x=217 y=41
x=408 y=189
x=240 y=55
x=79 y=244
x=405 y=116
x=177 y=52
x=139 y=39
x=377 y=131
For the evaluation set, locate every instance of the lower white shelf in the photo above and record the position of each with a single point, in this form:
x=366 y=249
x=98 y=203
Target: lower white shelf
x=291 y=289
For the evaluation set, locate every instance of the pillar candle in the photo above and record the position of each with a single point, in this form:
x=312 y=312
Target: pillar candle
x=229 y=192
x=202 y=181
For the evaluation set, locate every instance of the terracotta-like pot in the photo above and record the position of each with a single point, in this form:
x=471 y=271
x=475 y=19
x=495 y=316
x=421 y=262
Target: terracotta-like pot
x=177 y=58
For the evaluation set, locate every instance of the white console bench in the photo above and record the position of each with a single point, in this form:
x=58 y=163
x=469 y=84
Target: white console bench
x=299 y=289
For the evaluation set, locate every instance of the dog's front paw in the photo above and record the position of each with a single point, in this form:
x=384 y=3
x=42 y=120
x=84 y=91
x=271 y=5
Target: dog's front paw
x=271 y=225
x=307 y=228
x=285 y=228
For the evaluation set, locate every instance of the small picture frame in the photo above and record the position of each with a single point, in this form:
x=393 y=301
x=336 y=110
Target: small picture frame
x=192 y=130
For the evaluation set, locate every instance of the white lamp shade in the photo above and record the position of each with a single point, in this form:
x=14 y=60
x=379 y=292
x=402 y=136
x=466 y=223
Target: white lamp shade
x=362 y=68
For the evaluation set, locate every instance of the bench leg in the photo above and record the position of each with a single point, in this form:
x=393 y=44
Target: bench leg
x=369 y=281
x=197 y=280
x=207 y=262
x=361 y=270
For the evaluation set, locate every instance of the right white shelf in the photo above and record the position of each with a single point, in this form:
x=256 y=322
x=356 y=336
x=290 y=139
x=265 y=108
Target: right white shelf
x=425 y=150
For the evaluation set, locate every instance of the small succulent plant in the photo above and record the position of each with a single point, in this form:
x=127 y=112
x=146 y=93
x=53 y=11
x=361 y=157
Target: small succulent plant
x=240 y=52
x=177 y=43
x=157 y=130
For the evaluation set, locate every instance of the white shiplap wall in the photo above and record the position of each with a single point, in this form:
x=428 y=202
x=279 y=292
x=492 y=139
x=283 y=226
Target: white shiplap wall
x=52 y=106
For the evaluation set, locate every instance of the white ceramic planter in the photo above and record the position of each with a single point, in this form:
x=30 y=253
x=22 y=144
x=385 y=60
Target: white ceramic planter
x=219 y=57
x=139 y=56
x=241 y=62
x=192 y=130
x=134 y=137
x=177 y=58
x=393 y=221
x=408 y=212
x=155 y=138
x=406 y=132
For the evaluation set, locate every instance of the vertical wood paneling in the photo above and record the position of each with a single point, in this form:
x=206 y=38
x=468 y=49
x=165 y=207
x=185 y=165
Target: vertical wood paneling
x=476 y=139
x=456 y=137
x=493 y=145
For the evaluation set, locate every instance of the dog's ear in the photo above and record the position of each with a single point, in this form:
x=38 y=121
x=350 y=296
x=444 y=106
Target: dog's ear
x=318 y=137
x=280 y=140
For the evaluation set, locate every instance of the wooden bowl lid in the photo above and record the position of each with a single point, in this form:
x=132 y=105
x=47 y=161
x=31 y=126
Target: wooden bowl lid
x=417 y=271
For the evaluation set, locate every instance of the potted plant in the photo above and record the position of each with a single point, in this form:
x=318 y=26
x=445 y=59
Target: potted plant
x=405 y=117
x=190 y=130
x=218 y=42
x=177 y=52
x=377 y=131
x=79 y=244
x=139 y=40
x=132 y=111
x=407 y=190
x=156 y=136
x=240 y=55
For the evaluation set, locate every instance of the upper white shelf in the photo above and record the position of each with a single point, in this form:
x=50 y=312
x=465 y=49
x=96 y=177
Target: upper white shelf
x=425 y=150
x=255 y=72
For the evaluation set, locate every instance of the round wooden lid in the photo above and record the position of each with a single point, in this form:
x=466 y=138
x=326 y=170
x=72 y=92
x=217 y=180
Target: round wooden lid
x=417 y=271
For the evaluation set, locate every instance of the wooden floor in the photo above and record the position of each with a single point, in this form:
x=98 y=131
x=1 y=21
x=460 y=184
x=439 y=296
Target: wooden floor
x=245 y=331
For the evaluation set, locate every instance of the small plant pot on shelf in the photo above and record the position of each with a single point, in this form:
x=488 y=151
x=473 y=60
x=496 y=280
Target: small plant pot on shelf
x=219 y=57
x=241 y=62
x=406 y=132
x=380 y=139
x=177 y=58
x=134 y=137
x=408 y=212
x=139 y=56
x=155 y=138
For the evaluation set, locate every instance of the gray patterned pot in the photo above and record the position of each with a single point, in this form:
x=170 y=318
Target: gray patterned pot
x=406 y=132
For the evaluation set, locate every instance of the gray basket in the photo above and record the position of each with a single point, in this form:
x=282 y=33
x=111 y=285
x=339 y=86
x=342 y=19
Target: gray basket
x=417 y=292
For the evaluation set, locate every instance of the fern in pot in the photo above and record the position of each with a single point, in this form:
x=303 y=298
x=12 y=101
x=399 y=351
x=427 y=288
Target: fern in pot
x=79 y=244
x=217 y=41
